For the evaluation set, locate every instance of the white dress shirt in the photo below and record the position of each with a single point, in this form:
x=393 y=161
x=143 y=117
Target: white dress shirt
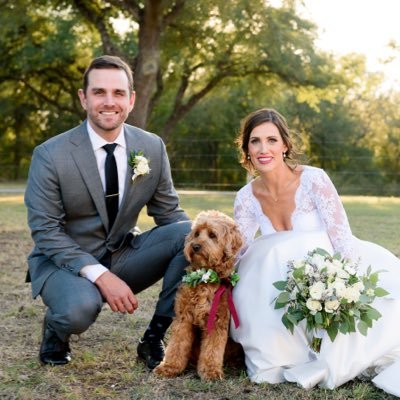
x=92 y=272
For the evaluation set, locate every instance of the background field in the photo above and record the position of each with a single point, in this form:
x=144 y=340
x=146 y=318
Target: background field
x=104 y=364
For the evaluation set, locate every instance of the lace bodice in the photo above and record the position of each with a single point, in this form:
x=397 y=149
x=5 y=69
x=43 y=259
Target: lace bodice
x=318 y=207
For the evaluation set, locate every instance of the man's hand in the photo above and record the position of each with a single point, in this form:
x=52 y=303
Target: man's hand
x=117 y=293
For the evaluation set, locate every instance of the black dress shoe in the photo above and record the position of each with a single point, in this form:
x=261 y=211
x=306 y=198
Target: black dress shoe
x=151 y=352
x=53 y=350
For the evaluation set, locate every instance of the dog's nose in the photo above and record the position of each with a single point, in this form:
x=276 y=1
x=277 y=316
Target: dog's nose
x=196 y=247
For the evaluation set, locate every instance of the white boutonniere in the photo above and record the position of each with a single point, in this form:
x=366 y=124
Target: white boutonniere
x=139 y=164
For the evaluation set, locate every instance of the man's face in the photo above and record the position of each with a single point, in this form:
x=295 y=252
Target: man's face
x=107 y=101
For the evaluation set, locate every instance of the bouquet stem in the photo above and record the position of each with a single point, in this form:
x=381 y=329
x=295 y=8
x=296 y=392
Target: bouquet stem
x=316 y=344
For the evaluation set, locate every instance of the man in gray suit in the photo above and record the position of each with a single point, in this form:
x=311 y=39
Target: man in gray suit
x=87 y=253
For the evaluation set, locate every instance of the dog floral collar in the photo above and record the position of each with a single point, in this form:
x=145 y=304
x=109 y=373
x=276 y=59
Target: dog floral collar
x=139 y=164
x=194 y=278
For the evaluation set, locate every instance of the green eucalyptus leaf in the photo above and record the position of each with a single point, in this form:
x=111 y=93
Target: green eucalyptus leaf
x=344 y=327
x=318 y=318
x=298 y=273
x=288 y=324
x=283 y=298
x=280 y=285
x=380 y=292
x=332 y=331
x=374 y=314
x=362 y=327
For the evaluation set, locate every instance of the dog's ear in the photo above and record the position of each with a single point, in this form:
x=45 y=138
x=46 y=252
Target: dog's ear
x=234 y=241
x=186 y=250
x=237 y=240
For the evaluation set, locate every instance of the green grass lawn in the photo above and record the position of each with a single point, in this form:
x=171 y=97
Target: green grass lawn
x=104 y=358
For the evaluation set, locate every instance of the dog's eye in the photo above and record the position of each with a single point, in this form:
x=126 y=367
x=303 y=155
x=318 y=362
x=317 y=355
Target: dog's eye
x=212 y=235
x=196 y=234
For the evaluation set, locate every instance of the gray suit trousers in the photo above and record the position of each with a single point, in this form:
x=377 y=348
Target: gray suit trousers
x=74 y=302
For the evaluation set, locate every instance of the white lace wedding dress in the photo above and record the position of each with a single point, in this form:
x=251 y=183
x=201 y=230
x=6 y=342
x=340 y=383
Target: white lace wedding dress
x=272 y=353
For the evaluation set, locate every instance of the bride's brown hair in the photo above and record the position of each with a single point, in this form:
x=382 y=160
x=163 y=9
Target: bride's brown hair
x=255 y=119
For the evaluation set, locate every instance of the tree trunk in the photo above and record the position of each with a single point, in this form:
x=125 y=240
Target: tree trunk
x=147 y=62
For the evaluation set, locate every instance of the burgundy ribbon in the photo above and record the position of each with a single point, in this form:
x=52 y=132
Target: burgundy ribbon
x=215 y=303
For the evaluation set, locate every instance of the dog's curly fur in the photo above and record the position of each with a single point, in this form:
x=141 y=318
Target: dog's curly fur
x=213 y=242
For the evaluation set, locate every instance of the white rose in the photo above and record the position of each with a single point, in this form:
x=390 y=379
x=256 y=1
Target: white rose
x=314 y=306
x=333 y=266
x=331 y=306
x=341 y=273
x=328 y=292
x=350 y=269
x=337 y=263
x=339 y=287
x=142 y=166
x=359 y=286
x=351 y=294
x=330 y=267
x=309 y=270
x=316 y=290
x=297 y=264
x=318 y=261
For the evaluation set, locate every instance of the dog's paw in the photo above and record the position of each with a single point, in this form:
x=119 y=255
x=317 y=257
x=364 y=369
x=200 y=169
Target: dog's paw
x=211 y=374
x=166 y=370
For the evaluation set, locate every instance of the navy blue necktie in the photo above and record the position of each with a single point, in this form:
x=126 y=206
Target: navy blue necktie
x=112 y=189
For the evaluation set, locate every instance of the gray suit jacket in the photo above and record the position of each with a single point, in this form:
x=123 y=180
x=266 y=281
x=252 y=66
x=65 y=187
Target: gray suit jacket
x=66 y=205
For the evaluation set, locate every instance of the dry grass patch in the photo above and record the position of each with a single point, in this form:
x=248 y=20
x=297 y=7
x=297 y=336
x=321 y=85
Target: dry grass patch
x=104 y=358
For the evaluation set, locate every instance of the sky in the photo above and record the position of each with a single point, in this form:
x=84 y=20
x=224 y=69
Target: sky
x=361 y=26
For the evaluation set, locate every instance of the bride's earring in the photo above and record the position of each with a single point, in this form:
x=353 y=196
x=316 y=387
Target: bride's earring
x=248 y=156
x=284 y=154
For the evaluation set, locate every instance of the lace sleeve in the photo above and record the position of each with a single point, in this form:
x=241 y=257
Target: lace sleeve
x=245 y=218
x=332 y=212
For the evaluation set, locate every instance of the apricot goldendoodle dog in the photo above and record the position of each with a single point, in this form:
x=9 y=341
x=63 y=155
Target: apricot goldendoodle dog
x=203 y=303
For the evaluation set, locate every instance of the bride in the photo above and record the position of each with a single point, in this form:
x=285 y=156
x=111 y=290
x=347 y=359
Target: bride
x=297 y=209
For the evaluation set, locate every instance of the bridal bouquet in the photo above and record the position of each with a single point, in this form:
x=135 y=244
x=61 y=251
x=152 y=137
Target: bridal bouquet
x=326 y=291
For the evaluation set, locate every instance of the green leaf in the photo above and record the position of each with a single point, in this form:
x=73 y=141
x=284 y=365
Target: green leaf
x=282 y=300
x=280 y=285
x=337 y=256
x=321 y=252
x=298 y=314
x=352 y=324
x=365 y=317
x=380 y=292
x=298 y=273
x=356 y=313
x=292 y=318
x=353 y=279
x=362 y=327
x=364 y=299
x=318 y=318
x=234 y=278
x=344 y=327
x=373 y=313
x=374 y=278
x=332 y=331
x=288 y=324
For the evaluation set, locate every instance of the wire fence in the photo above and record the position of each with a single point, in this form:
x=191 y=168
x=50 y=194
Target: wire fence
x=221 y=171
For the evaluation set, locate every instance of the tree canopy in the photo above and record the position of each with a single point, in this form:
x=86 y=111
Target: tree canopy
x=199 y=68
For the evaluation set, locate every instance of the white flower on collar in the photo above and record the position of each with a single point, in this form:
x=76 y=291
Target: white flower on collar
x=139 y=164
